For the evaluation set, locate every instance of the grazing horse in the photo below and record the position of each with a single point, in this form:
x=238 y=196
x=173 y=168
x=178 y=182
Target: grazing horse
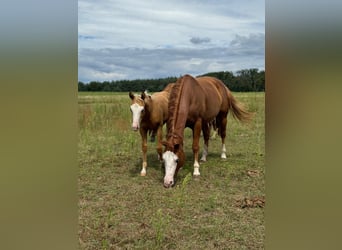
x=150 y=112
x=196 y=103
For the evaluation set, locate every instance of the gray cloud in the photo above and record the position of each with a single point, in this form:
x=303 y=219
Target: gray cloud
x=85 y=37
x=252 y=40
x=133 y=63
x=199 y=40
x=129 y=39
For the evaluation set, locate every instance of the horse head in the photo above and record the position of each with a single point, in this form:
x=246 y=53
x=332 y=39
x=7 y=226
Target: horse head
x=137 y=108
x=174 y=159
x=147 y=98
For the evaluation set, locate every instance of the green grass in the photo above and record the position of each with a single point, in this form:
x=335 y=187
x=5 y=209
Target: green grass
x=119 y=209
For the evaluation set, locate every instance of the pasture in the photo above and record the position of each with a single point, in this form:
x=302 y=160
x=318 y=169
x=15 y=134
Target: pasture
x=119 y=209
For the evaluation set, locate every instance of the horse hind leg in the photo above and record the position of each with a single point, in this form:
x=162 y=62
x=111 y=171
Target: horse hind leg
x=205 y=152
x=222 y=132
x=206 y=134
x=214 y=128
x=159 y=142
x=213 y=136
x=152 y=135
x=195 y=146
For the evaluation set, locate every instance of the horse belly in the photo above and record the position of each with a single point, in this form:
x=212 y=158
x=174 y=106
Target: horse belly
x=211 y=110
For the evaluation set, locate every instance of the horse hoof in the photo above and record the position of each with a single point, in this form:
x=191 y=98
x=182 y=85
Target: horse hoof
x=142 y=174
x=197 y=177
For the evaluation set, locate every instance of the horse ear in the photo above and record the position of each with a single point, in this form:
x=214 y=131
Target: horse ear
x=131 y=95
x=145 y=95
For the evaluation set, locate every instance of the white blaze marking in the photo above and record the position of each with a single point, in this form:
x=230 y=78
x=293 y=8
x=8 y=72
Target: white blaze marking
x=170 y=162
x=136 y=111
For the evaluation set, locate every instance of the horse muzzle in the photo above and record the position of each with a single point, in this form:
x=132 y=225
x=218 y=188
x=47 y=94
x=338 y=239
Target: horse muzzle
x=168 y=183
x=135 y=127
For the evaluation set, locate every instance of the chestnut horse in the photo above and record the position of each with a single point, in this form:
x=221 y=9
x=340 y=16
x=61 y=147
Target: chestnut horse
x=150 y=112
x=196 y=103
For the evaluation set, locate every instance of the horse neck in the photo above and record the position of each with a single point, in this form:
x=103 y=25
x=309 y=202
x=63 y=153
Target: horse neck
x=156 y=107
x=147 y=112
x=180 y=98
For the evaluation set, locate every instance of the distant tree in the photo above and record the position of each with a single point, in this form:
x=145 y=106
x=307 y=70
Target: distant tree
x=260 y=81
x=106 y=86
x=244 y=80
x=95 y=86
x=82 y=86
x=251 y=79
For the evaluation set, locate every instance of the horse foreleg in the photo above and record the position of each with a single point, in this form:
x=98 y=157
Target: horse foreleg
x=159 y=143
x=206 y=135
x=195 y=145
x=143 y=133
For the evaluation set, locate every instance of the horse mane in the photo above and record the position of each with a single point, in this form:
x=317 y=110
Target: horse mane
x=169 y=87
x=174 y=100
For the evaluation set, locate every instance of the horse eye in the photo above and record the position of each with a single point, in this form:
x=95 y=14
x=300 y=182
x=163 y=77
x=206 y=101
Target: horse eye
x=176 y=160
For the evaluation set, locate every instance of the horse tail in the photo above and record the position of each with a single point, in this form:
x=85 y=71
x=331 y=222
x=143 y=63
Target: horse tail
x=239 y=111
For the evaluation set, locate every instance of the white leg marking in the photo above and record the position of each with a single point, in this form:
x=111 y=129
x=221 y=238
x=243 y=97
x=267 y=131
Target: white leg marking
x=205 y=153
x=223 y=154
x=196 y=169
x=143 y=170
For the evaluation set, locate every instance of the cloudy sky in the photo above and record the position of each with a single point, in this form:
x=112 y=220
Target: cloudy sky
x=131 y=39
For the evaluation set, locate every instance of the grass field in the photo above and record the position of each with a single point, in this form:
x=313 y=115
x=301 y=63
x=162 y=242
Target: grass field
x=119 y=209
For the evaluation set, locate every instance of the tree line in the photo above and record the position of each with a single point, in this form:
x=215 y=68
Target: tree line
x=245 y=80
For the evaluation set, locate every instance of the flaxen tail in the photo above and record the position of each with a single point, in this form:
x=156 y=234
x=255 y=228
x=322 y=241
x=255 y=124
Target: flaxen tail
x=239 y=111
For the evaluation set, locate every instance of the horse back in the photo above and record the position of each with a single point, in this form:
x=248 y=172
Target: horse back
x=216 y=94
